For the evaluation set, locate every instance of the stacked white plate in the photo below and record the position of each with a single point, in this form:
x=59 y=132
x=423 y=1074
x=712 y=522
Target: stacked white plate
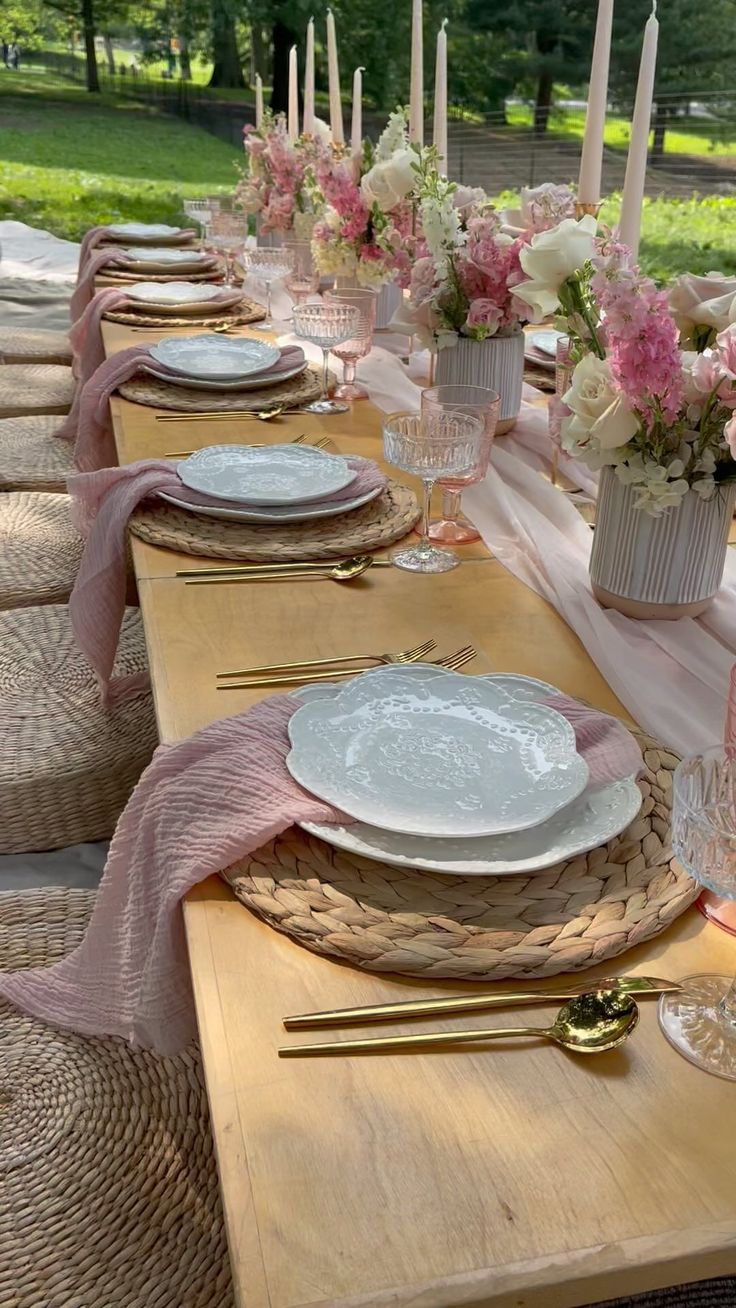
x=471 y=776
x=147 y=233
x=541 y=348
x=177 y=298
x=214 y=362
x=274 y=484
x=155 y=258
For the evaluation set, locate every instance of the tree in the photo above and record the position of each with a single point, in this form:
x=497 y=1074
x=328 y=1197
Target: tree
x=86 y=13
x=227 y=69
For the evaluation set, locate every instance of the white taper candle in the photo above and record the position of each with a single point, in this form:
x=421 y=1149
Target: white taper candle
x=293 y=95
x=259 y=100
x=308 y=125
x=416 y=98
x=356 y=129
x=591 y=159
x=333 y=73
x=629 y=228
x=439 y=130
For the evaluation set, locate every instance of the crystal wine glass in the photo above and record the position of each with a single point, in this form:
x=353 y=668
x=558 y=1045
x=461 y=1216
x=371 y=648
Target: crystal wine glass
x=481 y=403
x=268 y=263
x=227 y=232
x=364 y=300
x=200 y=211
x=303 y=279
x=700 y=1019
x=434 y=447
x=327 y=324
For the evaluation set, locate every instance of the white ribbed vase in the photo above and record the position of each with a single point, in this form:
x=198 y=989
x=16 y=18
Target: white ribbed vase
x=668 y=567
x=497 y=362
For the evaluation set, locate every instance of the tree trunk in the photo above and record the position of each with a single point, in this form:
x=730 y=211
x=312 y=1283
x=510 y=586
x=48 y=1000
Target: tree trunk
x=185 y=63
x=109 y=54
x=543 y=102
x=259 y=51
x=282 y=40
x=660 y=130
x=88 y=23
x=226 y=70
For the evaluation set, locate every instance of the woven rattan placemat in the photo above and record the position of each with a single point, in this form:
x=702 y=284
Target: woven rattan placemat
x=119 y=278
x=144 y=389
x=390 y=919
x=108 y=1182
x=381 y=522
x=249 y=312
x=31 y=457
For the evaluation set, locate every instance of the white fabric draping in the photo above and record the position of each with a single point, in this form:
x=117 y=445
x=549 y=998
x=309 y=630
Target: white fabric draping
x=37 y=276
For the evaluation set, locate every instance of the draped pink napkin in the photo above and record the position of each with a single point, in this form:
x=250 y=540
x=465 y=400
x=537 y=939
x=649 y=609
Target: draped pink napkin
x=89 y=422
x=108 y=256
x=102 y=503
x=86 y=335
x=200 y=806
x=729 y=730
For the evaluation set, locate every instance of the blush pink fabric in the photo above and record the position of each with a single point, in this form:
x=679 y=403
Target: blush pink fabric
x=200 y=806
x=102 y=503
x=108 y=255
x=729 y=730
x=88 y=422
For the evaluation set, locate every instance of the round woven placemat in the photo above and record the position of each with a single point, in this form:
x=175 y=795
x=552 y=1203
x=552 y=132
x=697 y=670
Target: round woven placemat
x=31 y=457
x=144 y=389
x=389 y=919
x=250 y=312
x=35 y=388
x=386 y=519
x=40 y=549
x=119 y=278
x=34 y=345
x=67 y=764
x=108 y=1184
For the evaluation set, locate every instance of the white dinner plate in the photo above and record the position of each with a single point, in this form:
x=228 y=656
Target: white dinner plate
x=274 y=514
x=145 y=232
x=449 y=756
x=596 y=816
x=258 y=381
x=269 y=475
x=211 y=357
x=546 y=342
x=175 y=297
x=166 y=254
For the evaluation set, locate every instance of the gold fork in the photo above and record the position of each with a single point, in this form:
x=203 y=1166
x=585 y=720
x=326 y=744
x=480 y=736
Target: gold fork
x=403 y=656
x=217 y=415
x=324 y=443
x=451 y=662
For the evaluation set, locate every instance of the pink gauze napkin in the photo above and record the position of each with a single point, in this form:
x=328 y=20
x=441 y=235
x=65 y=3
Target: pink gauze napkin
x=107 y=256
x=86 y=335
x=88 y=422
x=102 y=503
x=199 y=807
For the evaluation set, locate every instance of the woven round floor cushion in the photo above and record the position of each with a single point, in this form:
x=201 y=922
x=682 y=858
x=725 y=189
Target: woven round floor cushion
x=388 y=919
x=40 y=549
x=67 y=765
x=249 y=311
x=35 y=388
x=144 y=389
x=34 y=345
x=381 y=522
x=31 y=457
x=108 y=1184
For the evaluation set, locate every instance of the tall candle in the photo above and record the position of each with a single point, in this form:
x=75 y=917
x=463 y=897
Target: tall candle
x=333 y=73
x=293 y=96
x=629 y=227
x=356 y=131
x=439 y=131
x=259 y=100
x=309 y=80
x=591 y=159
x=416 y=98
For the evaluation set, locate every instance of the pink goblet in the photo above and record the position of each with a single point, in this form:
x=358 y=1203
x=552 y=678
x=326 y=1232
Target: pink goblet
x=360 y=344
x=478 y=402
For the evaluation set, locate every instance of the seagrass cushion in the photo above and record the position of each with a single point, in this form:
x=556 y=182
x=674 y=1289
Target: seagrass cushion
x=34 y=345
x=31 y=457
x=35 y=388
x=40 y=549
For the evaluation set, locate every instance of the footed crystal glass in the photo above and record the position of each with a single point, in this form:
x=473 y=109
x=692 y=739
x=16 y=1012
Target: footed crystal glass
x=359 y=345
x=326 y=325
x=268 y=263
x=700 y=1019
x=481 y=402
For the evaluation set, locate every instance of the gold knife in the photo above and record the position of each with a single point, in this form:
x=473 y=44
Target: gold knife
x=630 y=985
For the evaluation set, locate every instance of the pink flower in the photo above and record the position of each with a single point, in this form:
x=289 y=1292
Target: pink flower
x=423 y=283
x=484 y=313
x=729 y=431
x=726 y=351
x=706 y=373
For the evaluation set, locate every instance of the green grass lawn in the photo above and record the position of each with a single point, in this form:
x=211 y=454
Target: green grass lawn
x=691 y=136
x=69 y=160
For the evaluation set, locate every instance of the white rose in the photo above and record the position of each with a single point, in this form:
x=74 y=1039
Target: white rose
x=387 y=184
x=708 y=301
x=550 y=258
x=601 y=414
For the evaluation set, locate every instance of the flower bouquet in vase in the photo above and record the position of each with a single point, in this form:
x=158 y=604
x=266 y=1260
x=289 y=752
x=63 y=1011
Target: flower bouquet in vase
x=275 y=186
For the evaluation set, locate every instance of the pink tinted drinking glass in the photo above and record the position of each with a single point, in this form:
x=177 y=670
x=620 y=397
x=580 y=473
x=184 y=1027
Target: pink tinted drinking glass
x=478 y=402
x=358 y=346
x=303 y=279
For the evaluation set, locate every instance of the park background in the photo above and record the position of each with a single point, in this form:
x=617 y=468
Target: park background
x=120 y=110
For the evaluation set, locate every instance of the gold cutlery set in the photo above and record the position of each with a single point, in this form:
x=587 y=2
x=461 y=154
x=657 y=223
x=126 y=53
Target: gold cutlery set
x=331 y=671
x=597 y=1016
x=197 y=415
x=324 y=443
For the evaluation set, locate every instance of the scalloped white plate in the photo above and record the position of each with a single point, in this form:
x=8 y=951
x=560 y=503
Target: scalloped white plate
x=211 y=357
x=270 y=475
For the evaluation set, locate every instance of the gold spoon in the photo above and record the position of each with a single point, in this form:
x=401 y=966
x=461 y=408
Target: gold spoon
x=347 y=571
x=244 y=569
x=588 y=1024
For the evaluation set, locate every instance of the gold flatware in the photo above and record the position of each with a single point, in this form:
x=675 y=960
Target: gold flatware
x=217 y=415
x=452 y=662
x=247 y=569
x=402 y=656
x=626 y=985
x=324 y=443
x=343 y=572
x=589 y=1024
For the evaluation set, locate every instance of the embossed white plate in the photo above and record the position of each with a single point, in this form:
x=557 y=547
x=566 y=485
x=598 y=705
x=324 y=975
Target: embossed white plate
x=274 y=514
x=448 y=756
x=546 y=341
x=257 y=381
x=274 y=474
x=592 y=819
x=174 y=297
x=211 y=357
x=165 y=254
x=144 y=232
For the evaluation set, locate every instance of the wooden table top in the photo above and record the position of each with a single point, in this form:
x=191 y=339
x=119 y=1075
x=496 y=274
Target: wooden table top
x=507 y=1178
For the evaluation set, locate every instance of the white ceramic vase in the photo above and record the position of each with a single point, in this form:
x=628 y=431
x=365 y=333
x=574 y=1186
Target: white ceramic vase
x=667 y=567
x=497 y=362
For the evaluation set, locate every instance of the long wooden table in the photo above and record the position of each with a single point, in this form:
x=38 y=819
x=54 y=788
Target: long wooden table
x=517 y=1178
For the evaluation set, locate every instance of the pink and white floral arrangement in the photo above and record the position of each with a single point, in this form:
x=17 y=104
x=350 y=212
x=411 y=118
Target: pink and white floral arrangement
x=662 y=417
x=275 y=186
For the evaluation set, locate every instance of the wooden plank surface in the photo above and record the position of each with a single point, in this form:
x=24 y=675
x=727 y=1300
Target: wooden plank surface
x=518 y=1177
